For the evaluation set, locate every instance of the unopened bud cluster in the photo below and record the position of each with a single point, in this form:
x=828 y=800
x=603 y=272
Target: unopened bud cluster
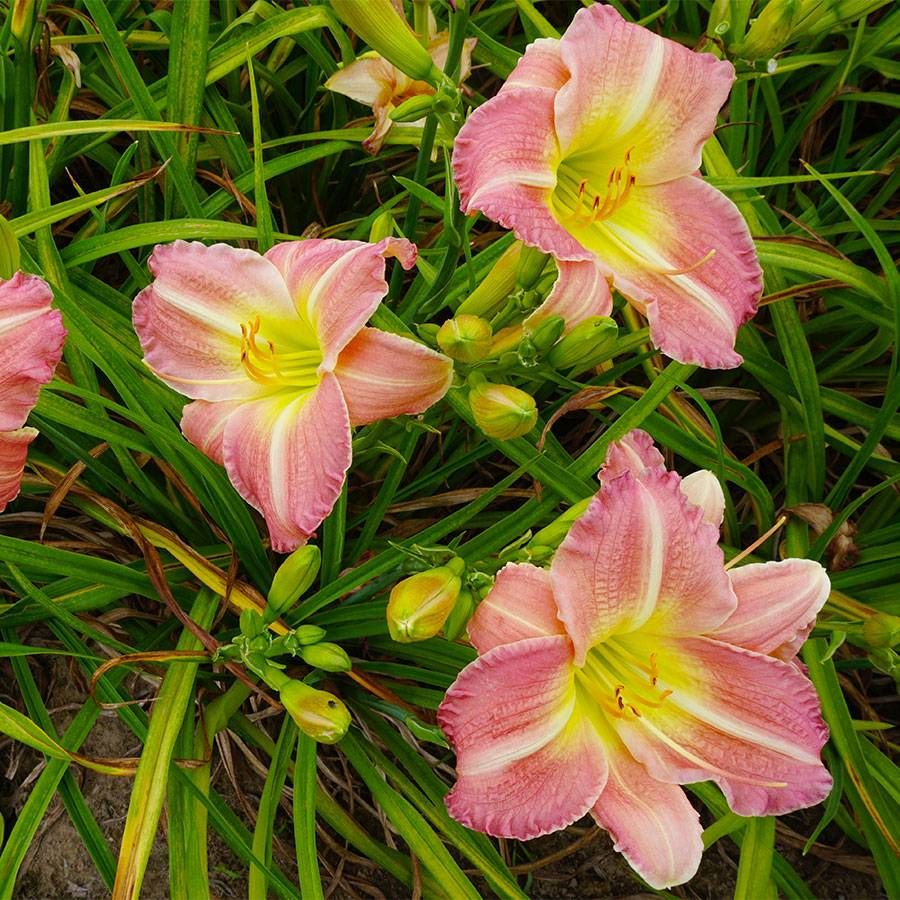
x=318 y=713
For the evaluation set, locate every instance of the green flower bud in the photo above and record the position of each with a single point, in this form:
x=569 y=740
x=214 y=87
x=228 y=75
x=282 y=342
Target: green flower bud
x=293 y=578
x=465 y=338
x=382 y=227
x=769 y=32
x=293 y=641
x=458 y=619
x=419 y=605
x=502 y=411
x=318 y=714
x=428 y=331
x=588 y=341
x=496 y=286
x=547 y=332
x=718 y=23
x=326 y=656
x=554 y=534
x=882 y=630
x=308 y=634
x=413 y=109
x=531 y=264
x=252 y=623
x=379 y=24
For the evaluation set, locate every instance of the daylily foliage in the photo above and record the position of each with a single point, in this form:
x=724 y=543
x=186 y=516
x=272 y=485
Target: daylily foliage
x=559 y=213
x=637 y=663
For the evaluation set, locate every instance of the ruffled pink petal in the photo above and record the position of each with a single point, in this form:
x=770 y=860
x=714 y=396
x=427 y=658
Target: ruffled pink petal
x=703 y=489
x=384 y=375
x=287 y=456
x=749 y=722
x=203 y=424
x=640 y=557
x=31 y=340
x=633 y=453
x=13 y=450
x=189 y=319
x=539 y=66
x=777 y=605
x=337 y=285
x=694 y=316
x=631 y=89
x=527 y=762
x=580 y=291
x=504 y=164
x=519 y=606
x=652 y=823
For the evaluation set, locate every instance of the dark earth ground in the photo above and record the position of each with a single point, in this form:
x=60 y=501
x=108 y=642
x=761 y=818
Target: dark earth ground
x=579 y=863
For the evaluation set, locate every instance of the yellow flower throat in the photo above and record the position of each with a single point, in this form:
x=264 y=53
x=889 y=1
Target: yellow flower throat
x=272 y=367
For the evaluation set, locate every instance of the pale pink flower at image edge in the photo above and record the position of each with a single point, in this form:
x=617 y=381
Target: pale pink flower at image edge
x=636 y=664
x=31 y=341
x=276 y=355
x=590 y=152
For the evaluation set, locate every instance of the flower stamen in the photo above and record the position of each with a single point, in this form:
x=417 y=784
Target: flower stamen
x=264 y=365
x=610 y=668
x=619 y=183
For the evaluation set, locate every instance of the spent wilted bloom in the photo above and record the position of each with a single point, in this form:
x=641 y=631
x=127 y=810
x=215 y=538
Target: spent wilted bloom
x=590 y=152
x=638 y=663
x=31 y=341
x=372 y=80
x=275 y=353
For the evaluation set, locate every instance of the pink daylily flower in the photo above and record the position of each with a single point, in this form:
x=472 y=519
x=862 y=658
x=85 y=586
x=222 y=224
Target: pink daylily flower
x=275 y=353
x=590 y=152
x=31 y=341
x=372 y=80
x=637 y=663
